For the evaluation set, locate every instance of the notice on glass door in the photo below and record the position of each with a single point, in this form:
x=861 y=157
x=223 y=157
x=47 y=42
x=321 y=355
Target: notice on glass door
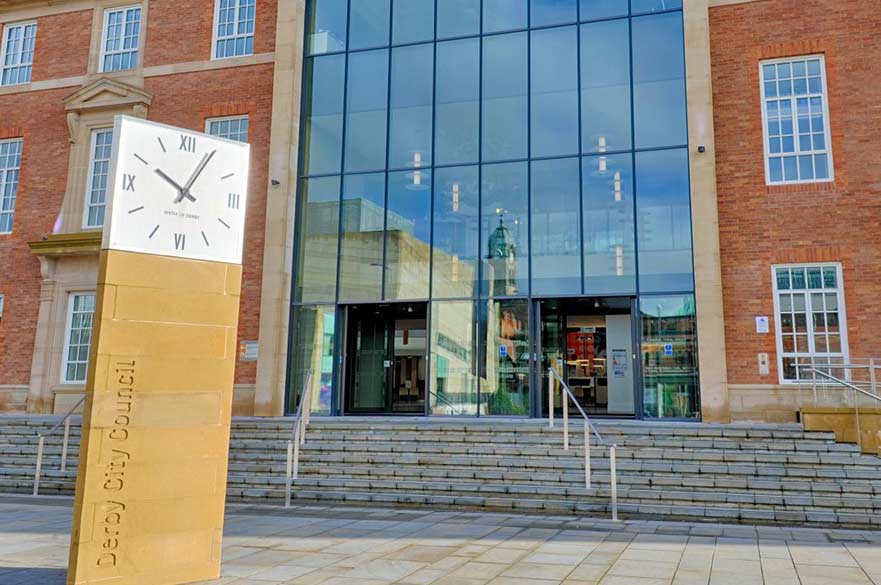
x=619 y=363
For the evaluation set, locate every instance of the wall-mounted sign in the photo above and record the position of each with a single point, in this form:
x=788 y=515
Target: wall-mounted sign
x=763 y=324
x=503 y=350
x=619 y=363
x=248 y=351
x=668 y=349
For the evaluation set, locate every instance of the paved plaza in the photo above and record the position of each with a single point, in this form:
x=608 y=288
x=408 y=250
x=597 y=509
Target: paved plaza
x=313 y=545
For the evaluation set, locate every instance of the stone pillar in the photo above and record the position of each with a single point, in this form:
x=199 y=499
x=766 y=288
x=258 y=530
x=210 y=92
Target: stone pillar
x=40 y=399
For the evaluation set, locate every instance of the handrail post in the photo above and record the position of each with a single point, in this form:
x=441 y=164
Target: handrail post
x=40 y=443
x=64 y=443
x=565 y=401
x=586 y=454
x=296 y=468
x=856 y=416
x=551 y=397
x=614 y=479
x=288 y=472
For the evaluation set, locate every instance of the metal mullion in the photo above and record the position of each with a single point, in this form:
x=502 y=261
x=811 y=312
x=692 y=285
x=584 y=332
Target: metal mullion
x=530 y=344
x=388 y=123
x=478 y=286
x=429 y=308
x=581 y=249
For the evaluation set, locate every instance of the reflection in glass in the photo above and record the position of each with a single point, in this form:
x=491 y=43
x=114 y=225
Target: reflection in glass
x=663 y=221
x=669 y=357
x=554 y=92
x=361 y=240
x=504 y=357
x=609 y=250
x=323 y=128
x=413 y=21
x=501 y=15
x=327 y=26
x=369 y=26
x=548 y=12
x=596 y=9
x=411 y=97
x=556 y=230
x=605 y=86
x=644 y=6
x=505 y=100
x=318 y=228
x=456 y=245
x=366 y=110
x=453 y=383
x=659 y=81
x=504 y=227
x=458 y=101
x=458 y=18
x=312 y=349
x=408 y=235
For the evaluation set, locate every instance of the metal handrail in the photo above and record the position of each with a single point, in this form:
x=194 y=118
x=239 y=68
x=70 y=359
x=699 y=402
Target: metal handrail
x=554 y=376
x=856 y=404
x=445 y=401
x=41 y=439
x=298 y=437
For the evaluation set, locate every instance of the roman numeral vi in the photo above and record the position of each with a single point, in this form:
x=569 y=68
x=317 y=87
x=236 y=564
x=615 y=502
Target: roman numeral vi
x=180 y=241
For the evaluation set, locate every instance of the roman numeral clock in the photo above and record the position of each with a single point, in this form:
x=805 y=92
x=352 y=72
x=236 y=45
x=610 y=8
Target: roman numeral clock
x=176 y=192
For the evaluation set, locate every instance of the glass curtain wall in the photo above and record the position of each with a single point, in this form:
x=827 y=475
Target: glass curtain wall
x=479 y=154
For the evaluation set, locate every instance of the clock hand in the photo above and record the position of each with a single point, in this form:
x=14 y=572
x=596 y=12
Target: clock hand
x=186 y=189
x=170 y=180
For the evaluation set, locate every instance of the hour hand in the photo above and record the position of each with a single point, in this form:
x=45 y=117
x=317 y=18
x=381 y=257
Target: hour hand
x=170 y=180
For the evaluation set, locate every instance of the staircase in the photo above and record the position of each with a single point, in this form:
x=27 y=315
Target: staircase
x=726 y=473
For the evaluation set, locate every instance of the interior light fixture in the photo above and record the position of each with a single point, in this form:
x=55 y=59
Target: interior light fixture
x=603 y=164
x=618 y=194
x=416 y=183
x=455 y=197
x=601 y=144
x=455 y=269
x=619 y=260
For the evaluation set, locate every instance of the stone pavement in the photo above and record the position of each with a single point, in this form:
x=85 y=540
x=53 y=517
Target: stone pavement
x=375 y=546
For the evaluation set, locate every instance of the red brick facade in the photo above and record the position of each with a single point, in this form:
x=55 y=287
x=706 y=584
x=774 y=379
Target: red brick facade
x=830 y=222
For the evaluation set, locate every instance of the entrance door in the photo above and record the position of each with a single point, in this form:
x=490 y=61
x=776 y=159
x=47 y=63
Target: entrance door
x=386 y=359
x=590 y=342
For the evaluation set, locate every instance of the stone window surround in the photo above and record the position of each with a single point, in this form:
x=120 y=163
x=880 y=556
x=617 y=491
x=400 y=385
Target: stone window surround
x=97 y=38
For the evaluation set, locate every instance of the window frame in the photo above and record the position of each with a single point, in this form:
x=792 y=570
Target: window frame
x=827 y=124
x=3 y=46
x=215 y=36
x=71 y=296
x=209 y=121
x=87 y=205
x=3 y=172
x=105 y=30
x=844 y=354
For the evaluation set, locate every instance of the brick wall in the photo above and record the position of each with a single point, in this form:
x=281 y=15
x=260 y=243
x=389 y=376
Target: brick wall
x=762 y=225
x=62 y=47
x=39 y=118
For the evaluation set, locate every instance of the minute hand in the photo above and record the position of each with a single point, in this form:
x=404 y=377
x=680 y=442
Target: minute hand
x=185 y=192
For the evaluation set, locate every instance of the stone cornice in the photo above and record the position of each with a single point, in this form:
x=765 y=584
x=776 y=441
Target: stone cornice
x=73 y=244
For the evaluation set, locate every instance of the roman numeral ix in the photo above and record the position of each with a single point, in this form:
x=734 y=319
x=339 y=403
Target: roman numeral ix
x=128 y=182
x=180 y=241
x=234 y=200
x=187 y=143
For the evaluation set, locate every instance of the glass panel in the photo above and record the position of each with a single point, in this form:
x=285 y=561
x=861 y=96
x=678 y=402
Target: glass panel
x=505 y=100
x=366 y=110
x=664 y=221
x=453 y=381
x=556 y=232
x=605 y=86
x=554 y=91
x=458 y=18
x=547 y=12
x=659 y=81
x=642 y=6
x=458 y=101
x=669 y=357
x=370 y=24
x=456 y=245
x=504 y=357
x=411 y=98
x=327 y=26
x=609 y=246
x=323 y=94
x=361 y=242
x=413 y=21
x=408 y=235
x=319 y=213
x=312 y=349
x=504 y=227
x=591 y=9
x=499 y=15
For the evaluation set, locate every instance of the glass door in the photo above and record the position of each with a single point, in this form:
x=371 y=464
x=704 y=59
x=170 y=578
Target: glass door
x=368 y=366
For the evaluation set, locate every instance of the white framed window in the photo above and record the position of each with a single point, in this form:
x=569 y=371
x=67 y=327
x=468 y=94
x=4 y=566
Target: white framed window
x=810 y=318
x=17 y=54
x=230 y=127
x=10 y=166
x=77 y=337
x=233 y=28
x=121 y=39
x=99 y=165
x=795 y=116
x=2 y=302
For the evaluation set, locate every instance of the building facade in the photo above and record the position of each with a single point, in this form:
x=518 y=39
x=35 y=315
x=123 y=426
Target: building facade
x=450 y=197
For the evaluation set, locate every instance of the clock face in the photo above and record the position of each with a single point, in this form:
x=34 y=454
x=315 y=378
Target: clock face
x=176 y=192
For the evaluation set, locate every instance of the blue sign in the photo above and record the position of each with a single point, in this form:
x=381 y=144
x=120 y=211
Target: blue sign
x=503 y=351
x=668 y=349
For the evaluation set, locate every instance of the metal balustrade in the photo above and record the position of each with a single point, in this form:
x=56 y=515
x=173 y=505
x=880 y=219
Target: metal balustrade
x=41 y=441
x=298 y=437
x=856 y=392
x=567 y=394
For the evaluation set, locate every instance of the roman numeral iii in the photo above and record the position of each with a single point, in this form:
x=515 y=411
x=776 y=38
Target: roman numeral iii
x=234 y=200
x=187 y=143
x=128 y=182
x=180 y=241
